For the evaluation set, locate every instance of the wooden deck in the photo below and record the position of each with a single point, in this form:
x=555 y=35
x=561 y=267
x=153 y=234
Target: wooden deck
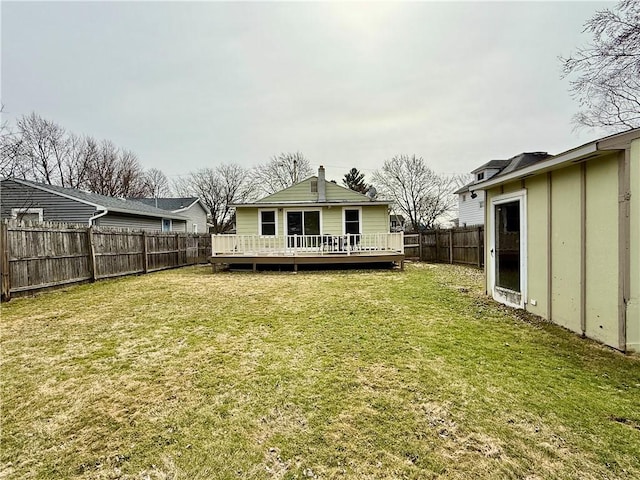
x=308 y=259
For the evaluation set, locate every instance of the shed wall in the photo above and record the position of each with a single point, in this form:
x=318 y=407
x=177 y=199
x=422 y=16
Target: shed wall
x=601 y=308
x=537 y=234
x=633 y=305
x=565 y=247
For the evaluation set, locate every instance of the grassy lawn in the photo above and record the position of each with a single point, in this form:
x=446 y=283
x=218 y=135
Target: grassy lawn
x=355 y=374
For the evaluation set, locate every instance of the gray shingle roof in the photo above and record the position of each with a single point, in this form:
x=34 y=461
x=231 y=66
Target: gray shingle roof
x=171 y=204
x=492 y=164
x=103 y=202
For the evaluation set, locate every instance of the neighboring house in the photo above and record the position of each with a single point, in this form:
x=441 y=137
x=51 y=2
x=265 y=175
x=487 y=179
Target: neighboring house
x=28 y=200
x=563 y=238
x=189 y=207
x=471 y=201
x=396 y=222
x=313 y=221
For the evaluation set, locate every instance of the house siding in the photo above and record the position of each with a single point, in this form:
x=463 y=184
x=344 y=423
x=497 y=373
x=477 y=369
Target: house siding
x=55 y=208
x=470 y=210
x=134 y=222
x=375 y=219
x=197 y=215
x=301 y=192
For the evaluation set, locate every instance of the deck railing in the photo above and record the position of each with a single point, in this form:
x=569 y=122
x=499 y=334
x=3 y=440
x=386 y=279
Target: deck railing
x=347 y=244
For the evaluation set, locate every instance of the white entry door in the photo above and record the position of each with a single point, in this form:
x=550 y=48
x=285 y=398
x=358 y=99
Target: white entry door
x=508 y=249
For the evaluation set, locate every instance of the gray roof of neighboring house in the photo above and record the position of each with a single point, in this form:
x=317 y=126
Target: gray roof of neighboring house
x=517 y=162
x=464 y=188
x=172 y=204
x=522 y=160
x=102 y=202
x=499 y=164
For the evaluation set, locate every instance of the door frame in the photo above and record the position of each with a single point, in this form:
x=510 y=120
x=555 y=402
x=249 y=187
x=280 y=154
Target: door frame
x=501 y=294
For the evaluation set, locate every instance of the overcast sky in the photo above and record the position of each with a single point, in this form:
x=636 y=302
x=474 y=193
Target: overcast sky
x=193 y=85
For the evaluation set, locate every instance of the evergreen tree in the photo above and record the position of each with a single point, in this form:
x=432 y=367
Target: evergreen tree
x=355 y=181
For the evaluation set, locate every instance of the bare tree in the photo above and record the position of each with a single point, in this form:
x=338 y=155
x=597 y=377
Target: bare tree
x=76 y=165
x=281 y=171
x=42 y=147
x=607 y=86
x=218 y=188
x=416 y=190
x=157 y=183
x=116 y=173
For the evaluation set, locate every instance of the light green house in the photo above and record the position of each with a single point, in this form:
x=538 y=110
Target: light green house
x=313 y=221
x=563 y=238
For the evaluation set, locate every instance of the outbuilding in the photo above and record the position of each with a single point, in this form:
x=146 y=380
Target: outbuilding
x=563 y=238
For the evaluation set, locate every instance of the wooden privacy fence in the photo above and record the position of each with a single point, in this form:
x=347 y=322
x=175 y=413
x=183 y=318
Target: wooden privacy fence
x=36 y=256
x=463 y=245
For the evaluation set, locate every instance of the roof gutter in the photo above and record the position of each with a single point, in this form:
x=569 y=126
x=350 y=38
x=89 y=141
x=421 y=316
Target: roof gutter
x=101 y=214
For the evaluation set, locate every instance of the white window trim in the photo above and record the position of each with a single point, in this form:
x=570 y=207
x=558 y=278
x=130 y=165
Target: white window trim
x=520 y=195
x=287 y=210
x=15 y=212
x=275 y=214
x=170 y=225
x=195 y=228
x=344 y=219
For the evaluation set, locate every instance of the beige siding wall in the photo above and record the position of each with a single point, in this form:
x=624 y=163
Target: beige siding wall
x=601 y=309
x=633 y=306
x=565 y=249
x=537 y=235
x=601 y=247
x=247 y=221
x=301 y=192
x=375 y=219
x=332 y=221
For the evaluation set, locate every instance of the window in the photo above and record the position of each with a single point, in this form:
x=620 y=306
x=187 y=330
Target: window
x=352 y=221
x=195 y=228
x=303 y=222
x=166 y=224
x=480 y=176
x=314 y=186
x=27 y=214
x=464 y=197
x=268 y=222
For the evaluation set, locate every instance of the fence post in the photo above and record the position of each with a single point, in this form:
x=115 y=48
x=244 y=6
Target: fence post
x=478 y=238
x=420 y=245
x=435 y=232
x=92 y=254
x=177 y=250
x=4 y=261
x=451 y=246
x=145 y=255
